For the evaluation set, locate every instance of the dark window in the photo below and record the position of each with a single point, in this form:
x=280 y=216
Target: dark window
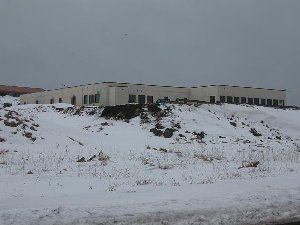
x=141 y=99
x=85 y=99
x=222 y=99
x=36 y=102
x=256 y=101
x=150 y=99
x=132 y=99
x=269 y=102
x=60 y=100
x=97 y=98
x=229 y=99
x=275 y=102
x=52 y=101
x=73 y=100
x=281 y=102
x=236 y=100
x=250 y=101
x=212 y=99
x=243 y=100
x=92 y=99
x=263 y=101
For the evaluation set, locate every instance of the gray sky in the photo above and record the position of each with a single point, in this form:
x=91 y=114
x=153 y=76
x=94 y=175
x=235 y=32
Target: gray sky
x=47 y=43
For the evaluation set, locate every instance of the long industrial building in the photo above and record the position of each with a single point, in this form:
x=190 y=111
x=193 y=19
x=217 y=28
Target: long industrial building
x=113 y=93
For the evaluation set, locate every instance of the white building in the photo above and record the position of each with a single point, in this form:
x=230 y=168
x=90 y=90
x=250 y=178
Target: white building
x=112 y=93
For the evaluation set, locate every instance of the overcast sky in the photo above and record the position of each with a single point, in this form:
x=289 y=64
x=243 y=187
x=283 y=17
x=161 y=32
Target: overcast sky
x=47 y=43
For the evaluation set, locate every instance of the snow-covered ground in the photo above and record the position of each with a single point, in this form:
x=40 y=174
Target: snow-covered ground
x=223 y=164
x=9 y=99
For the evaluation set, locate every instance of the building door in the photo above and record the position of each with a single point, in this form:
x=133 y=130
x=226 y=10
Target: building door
x=141 y=99
x=212 y=99
x=73 y=100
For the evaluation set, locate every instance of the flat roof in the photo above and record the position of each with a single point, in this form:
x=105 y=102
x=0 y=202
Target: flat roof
x=155 y=85
x=236 y=86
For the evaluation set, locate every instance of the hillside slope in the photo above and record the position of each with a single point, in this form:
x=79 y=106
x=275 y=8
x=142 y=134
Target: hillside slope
x=64 y=156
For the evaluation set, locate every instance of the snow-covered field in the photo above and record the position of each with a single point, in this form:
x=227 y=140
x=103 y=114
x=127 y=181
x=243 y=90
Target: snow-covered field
x=217 y=164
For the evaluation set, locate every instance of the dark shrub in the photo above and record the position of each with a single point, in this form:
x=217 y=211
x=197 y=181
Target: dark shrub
x=11 y=123
x=200 y=135
x=121 y=112
x=82 y=159
x=156 y=132
x=250 y=164
x=168 y=133
x=159 y=126
x=233 y=124
x=255 y=133
x=153 y=108
x=6 y=105
x=28 y=135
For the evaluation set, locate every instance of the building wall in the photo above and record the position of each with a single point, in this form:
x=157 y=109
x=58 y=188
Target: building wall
x=252 y=93
x=118 y=93
x=159 y=92
x=204 y=93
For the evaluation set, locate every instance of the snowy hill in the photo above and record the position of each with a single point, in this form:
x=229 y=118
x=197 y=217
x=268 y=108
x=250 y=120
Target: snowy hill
x=64 y=158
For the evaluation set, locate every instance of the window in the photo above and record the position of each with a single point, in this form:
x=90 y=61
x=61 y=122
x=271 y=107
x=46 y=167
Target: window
x=212 y=99
x=132 y=99
x=250 y=101
x=256 y=101
x=236 y=100
x=36 y=102
x=263 y=101
x=73 y=100
x=149 y=99
x=97 y=97
x=85 y=99
x=141 y=99
x=52 y=101
x=60 y=100
x=275 y=102
x=243 y=100
x=281 y=102
x=92 y=99
x=222 y=99
x=269 y=102
x=229 y=99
